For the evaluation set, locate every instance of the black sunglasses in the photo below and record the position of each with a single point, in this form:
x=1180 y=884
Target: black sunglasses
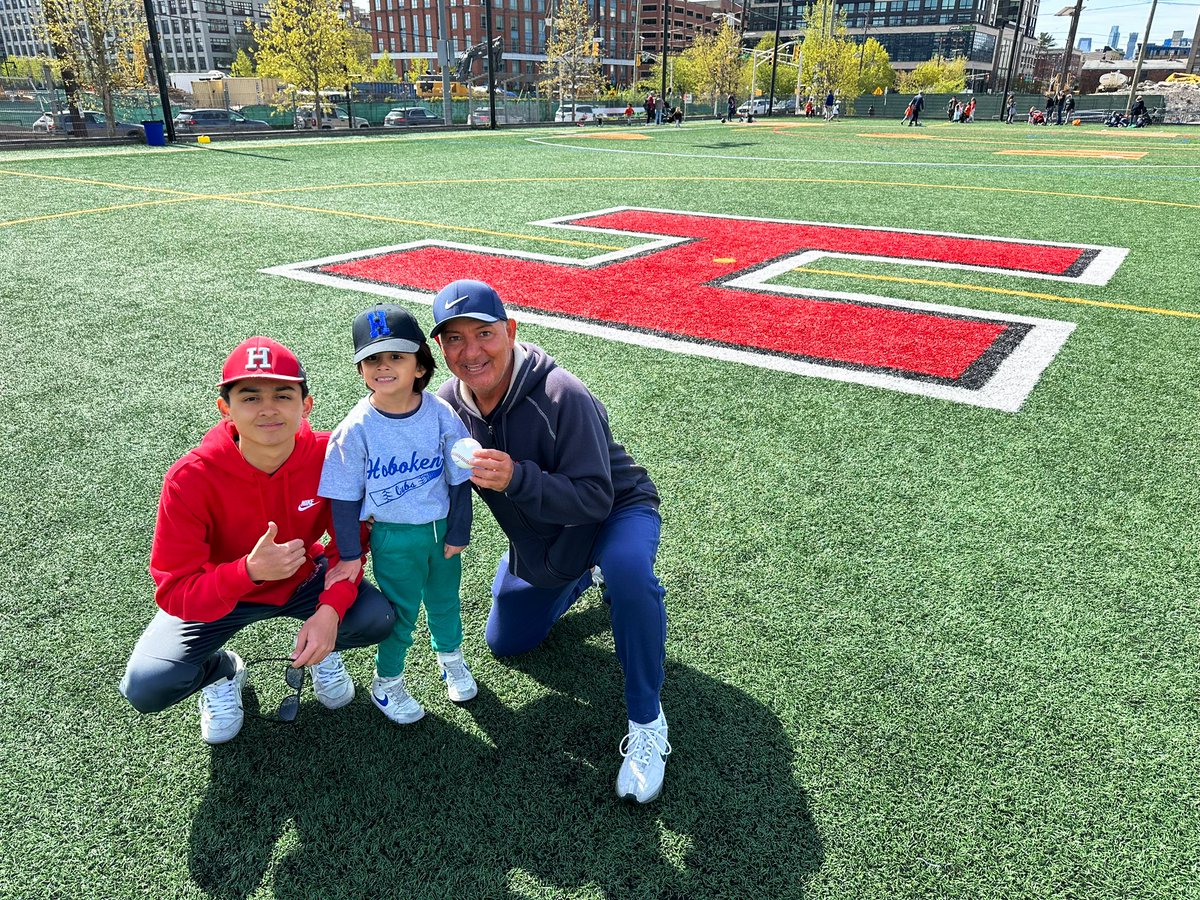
x=289 y=707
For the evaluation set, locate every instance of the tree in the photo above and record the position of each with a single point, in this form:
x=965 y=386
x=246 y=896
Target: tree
x=830 y=60
x=243 y=65
x=1046 y=41
x=32 y=68
x=875 y=68
x=937 y=76
x=714 y=64
x=101 y=43
x=417 y=69
x=384 y=69
x=786 y=72
x=308 y=44
x=572 y=66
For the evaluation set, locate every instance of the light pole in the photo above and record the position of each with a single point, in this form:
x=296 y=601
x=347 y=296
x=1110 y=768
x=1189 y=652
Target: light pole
x=774 y=60
x=1137 y=70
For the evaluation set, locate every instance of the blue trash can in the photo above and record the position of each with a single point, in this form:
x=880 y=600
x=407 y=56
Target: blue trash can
x=156 y=133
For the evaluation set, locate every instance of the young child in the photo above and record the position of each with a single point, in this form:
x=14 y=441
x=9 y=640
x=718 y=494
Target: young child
x=389 y=462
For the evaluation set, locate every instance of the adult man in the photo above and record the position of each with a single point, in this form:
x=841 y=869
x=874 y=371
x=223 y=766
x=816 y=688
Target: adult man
x=237 y=541
x=918 y=104
x=569 y=498
x=1137 y=114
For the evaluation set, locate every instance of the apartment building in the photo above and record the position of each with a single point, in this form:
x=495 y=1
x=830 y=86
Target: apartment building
x=22 y=29
x=913 y=31
x=630 y=32
x=195 y=35
x=205 y=35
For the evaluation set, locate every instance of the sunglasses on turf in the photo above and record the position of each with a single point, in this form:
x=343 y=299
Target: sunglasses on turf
x=270 y=667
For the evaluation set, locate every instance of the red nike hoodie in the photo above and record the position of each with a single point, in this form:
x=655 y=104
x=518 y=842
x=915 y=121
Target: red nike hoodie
x=214 y=508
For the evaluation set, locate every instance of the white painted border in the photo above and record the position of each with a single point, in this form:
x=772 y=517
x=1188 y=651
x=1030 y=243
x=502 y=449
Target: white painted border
x=1007 y=390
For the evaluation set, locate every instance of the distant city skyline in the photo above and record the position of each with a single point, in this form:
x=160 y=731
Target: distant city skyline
x=1099 y=16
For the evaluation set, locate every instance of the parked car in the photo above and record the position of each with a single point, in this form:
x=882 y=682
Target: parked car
x=787 y=107
x=756 y=107
x=198 y=121
x=590 y=112
x=413 y=115
x=504 y=116
x=95 y=124
x=332 y=117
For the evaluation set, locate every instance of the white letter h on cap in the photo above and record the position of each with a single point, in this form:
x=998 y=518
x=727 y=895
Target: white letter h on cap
x=258 y=358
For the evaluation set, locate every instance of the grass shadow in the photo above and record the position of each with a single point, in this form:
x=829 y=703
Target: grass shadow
x=340 y=805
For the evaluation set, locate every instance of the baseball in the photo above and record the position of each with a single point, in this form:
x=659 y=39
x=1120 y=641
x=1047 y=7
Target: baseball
x=463 y=450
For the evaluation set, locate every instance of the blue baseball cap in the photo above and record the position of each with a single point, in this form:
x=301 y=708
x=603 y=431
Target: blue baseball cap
x=466 y=299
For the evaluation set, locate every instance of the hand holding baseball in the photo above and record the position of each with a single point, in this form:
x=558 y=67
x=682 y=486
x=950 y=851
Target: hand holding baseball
x=493 y=470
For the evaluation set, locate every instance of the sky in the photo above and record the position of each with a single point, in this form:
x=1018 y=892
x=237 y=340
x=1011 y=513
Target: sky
x=1099 y=16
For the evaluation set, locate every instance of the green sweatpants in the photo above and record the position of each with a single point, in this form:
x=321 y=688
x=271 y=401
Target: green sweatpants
x=411 y=567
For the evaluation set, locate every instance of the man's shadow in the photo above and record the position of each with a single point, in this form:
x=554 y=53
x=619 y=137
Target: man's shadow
x=507 y=801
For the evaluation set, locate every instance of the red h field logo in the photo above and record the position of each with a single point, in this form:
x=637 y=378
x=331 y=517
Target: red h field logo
x=700 y=284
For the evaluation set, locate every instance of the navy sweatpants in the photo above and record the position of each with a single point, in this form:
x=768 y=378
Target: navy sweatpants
x=173 y=659
x=522 y=615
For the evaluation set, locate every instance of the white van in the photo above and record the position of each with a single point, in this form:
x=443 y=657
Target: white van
x=590 y=112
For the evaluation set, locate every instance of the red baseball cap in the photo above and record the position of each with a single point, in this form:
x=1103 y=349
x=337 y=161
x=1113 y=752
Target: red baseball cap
x=261 y=357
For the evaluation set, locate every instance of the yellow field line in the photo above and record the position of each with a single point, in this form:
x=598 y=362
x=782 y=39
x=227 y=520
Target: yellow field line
x=246 y=197
x=715 y=178
x=439 y=225
x=992 y=142
x=1011 y=293
x=128 y=187
x=98 y=209
x=1077 y=153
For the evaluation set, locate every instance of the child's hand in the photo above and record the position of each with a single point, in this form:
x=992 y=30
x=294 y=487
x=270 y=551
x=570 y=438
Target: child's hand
x=451 y=550
x=345 y=570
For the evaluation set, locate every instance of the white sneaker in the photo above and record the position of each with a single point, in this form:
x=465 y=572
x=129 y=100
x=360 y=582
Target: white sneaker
x=645 y=749
x=394 y=701
x=221 y=714
x=460 y=683
x=331 y=681
x=598 y=579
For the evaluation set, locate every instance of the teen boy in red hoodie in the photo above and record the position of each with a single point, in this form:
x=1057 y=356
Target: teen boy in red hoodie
x=238 y=540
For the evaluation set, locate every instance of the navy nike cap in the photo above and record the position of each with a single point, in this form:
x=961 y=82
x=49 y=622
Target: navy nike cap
x=466 y=299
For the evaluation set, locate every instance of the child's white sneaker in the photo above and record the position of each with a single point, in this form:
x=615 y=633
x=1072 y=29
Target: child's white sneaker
x=393 y=700
x=460 y=683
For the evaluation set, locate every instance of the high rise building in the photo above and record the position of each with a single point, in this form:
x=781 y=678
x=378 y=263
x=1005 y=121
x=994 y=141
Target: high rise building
x=195 y=35
x=914 y=31
x=22 y=28
x=1084 y=45
x=1114 y=37
x=204 y=35
x=1131 y=47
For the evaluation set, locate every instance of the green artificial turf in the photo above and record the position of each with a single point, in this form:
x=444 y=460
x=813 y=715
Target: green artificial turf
x=917 y=648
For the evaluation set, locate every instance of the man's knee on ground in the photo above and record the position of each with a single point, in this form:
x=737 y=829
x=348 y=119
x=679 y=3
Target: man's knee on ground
x=145 y=692
x=510 y=644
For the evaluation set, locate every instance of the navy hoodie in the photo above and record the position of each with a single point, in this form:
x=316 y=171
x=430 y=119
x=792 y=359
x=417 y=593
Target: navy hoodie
x=569 y=474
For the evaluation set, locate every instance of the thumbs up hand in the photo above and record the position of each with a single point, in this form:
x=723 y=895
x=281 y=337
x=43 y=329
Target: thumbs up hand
x=269 y=561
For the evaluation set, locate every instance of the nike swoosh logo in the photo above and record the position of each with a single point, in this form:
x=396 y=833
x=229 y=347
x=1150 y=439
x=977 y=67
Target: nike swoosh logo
x=306 y=504
x=455 y=303
x=382 y=701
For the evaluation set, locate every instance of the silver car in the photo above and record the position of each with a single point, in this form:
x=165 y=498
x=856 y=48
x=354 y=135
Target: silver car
x=332 y=117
